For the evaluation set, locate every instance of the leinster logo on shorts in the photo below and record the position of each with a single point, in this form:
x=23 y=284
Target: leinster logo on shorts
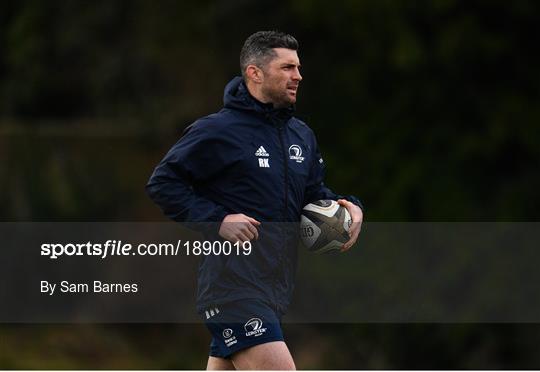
x=254 y=327
x=295 y=153
x=227 y=333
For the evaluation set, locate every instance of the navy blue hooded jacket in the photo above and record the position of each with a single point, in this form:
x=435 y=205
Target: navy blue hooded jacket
x=248 y=158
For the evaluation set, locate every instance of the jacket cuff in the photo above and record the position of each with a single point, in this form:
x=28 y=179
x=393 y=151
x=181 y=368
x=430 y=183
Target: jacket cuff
x=217 y=218
x=210 y=225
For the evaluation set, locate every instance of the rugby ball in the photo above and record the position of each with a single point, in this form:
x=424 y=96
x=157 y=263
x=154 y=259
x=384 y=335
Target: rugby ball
x=324 y=226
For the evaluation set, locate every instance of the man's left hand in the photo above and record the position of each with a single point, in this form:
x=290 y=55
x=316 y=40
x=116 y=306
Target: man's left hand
x=357 y=217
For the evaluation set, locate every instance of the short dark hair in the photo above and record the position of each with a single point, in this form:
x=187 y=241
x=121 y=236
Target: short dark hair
x=258 y=48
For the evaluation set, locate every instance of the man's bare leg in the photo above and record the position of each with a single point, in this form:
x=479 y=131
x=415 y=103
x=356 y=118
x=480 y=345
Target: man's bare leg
x=218 y=364
x=270 y=356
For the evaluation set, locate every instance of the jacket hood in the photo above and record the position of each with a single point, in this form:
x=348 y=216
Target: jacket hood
x=237 y=97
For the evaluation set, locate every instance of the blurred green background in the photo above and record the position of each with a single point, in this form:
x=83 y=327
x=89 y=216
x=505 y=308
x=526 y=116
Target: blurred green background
x=426 y=110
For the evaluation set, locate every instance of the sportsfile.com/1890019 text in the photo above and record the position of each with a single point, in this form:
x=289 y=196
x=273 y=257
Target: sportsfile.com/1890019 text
x=118 y=248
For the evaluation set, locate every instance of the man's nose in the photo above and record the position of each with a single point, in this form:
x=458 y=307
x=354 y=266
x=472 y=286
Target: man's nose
x=297 y=75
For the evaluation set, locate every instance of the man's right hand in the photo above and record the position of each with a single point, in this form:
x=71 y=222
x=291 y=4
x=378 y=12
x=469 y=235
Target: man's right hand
x=239 y=227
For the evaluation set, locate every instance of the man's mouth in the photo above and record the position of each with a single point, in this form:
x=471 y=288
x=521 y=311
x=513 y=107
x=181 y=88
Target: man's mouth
x=292 y=89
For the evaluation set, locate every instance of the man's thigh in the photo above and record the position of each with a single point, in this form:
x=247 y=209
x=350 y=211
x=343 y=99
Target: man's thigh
x=268 y=356
x=219 y=364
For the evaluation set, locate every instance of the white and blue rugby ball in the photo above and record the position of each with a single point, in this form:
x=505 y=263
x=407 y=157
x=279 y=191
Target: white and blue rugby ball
x=324 y=226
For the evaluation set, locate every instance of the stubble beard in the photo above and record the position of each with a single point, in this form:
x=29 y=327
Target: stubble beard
x=277 y=97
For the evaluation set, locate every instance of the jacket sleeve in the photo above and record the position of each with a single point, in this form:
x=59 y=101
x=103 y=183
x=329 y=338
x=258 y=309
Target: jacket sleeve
x=317 y=190
x=200 y=155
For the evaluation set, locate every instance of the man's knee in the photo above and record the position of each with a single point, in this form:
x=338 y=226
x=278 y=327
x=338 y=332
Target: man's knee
x=270 y=356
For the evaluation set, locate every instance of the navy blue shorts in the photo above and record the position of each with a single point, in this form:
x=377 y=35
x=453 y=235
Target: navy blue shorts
x=241 y=324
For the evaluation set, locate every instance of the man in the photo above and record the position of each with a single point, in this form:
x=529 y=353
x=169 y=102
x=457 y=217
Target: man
x=248 y=168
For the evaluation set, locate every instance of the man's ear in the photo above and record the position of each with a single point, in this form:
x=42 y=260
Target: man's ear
x=254 y=73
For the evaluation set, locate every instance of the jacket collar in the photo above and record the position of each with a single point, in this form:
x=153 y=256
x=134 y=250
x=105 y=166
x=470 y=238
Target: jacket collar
x=237 y=96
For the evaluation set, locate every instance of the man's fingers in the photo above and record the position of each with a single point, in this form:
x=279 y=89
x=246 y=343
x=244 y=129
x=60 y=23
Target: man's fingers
x=356 y=215
x=246 y=231
x=354 y=231
x=241 y=237
x=239 y=227
x=253 y=230
x=348 y=244
x=355 y=228
x=251 y=226
x=253 y=221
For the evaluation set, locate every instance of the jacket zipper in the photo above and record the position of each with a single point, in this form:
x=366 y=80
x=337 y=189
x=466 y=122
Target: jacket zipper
x=286 y=208
x=286 y=204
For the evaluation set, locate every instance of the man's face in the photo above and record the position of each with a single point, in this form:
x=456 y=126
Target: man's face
x=281 y=78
